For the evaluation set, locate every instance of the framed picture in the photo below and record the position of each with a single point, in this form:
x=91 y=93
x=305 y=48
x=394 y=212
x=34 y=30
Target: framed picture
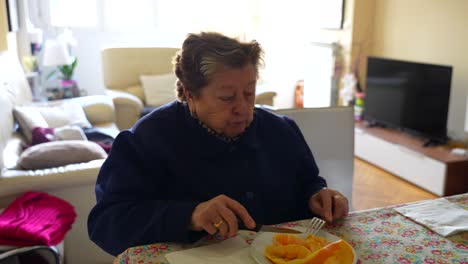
x=12 y=13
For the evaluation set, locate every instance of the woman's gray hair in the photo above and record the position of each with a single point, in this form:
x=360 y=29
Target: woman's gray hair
x=203 y=54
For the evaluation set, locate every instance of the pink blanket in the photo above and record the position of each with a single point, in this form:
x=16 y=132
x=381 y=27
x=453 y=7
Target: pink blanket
x=36 y=219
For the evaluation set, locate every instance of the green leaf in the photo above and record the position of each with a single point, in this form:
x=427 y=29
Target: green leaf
x=52 y=73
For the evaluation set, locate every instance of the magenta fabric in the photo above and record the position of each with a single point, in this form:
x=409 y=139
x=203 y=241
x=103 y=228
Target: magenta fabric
x=36 y=218
x=106 y=146
x=42 y=135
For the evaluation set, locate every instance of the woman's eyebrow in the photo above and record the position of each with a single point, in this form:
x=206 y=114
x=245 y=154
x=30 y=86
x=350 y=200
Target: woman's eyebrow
x=226 y=88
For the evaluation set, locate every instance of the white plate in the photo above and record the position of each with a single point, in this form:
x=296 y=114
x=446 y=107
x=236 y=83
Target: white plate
x=257 y=248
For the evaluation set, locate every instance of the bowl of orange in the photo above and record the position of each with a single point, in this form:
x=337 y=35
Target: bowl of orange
x=278 y=248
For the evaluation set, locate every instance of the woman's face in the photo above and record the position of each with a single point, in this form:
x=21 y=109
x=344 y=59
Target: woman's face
x=226 y=104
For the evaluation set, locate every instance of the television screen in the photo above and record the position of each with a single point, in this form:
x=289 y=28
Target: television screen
x=408 y=95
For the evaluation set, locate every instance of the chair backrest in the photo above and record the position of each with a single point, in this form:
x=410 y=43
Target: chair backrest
x=329 y=132
x=122 y=67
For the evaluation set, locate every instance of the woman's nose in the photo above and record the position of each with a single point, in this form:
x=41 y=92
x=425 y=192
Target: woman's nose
x=241 y=105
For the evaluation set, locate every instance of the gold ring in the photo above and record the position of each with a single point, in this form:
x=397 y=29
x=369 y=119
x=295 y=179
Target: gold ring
x=217 y=225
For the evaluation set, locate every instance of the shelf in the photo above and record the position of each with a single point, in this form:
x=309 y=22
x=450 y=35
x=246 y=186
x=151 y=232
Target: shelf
x=433 y=168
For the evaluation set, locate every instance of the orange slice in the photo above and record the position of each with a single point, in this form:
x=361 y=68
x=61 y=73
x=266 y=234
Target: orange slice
x=338 y=252
x=288 y=239
x=287 y=254
x=313 y=243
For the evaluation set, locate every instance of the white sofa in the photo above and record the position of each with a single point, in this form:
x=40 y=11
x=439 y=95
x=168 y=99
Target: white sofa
x=74 y=182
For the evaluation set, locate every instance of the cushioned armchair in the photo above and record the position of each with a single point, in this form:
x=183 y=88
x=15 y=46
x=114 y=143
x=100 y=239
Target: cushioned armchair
x=72 y=182
x=123 y=69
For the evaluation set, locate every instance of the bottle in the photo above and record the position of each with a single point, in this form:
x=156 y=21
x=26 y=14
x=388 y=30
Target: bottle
x=359 y=105
x=299 y=94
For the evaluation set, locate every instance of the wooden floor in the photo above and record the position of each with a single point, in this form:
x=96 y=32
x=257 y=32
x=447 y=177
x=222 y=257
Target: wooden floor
x=374 y=187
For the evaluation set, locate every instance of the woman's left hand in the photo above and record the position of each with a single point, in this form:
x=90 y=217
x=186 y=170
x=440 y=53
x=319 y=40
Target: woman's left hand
x=329 y=204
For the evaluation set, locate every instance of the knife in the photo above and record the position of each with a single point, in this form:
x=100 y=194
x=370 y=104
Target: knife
x=276 y=229
x=271 y=228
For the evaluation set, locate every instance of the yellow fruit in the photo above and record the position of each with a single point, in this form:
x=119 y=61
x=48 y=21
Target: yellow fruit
x=315 y=243
x=287 y=254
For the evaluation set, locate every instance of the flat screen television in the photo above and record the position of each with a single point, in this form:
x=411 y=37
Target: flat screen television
x=408 y=95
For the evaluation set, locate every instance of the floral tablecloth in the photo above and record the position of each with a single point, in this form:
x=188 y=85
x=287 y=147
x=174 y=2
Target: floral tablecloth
x=378 y=236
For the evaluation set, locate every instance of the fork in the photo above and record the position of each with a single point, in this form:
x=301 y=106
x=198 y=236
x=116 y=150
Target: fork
x=313 y=227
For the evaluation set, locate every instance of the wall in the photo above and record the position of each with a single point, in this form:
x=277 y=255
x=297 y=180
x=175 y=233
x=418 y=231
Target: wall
x=431 y=31
x=361 y=40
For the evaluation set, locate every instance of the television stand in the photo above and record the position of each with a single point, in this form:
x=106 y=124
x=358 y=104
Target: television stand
x=435 y=169
x=434 y=142
x=374 y=124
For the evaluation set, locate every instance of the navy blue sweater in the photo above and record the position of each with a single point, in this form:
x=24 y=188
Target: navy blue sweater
x=158 y=171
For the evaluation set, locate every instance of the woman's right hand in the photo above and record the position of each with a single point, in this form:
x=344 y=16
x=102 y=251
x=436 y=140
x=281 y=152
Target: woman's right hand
x=220 y=214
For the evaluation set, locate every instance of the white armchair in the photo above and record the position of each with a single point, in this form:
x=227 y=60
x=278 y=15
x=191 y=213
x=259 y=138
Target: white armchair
x=122 y=68
x=329 y=132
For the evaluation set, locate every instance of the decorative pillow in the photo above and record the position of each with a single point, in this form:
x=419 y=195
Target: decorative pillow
x=71 y=114
x=159 y=89
x=42 y=135
x=70 y=133
x=60 y=153
x=28 y=118
x=46 y=134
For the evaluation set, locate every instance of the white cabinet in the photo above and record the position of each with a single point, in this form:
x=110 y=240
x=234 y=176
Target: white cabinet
x=432 y=168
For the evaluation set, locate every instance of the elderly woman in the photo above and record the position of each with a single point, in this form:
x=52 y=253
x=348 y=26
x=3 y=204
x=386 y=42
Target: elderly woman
x=210 y=162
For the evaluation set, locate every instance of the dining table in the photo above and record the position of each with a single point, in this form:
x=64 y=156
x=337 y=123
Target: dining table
x=380 y=235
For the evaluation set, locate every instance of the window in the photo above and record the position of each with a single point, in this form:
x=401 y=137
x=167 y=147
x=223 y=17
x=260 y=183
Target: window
x=129 y=16
x=73 y=13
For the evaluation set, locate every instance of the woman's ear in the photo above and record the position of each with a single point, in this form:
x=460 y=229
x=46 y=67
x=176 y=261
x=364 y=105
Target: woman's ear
x=188 y=95
x=189 y=98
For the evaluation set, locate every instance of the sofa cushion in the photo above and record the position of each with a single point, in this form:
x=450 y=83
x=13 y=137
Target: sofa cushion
x=159 y=89
x=52 y=116
x=60 y=153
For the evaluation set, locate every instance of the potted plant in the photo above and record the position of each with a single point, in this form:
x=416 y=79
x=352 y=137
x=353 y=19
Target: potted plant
x=65 y=74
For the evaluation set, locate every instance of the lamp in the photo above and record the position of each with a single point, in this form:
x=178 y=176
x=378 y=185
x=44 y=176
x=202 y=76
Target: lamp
x=56 y=54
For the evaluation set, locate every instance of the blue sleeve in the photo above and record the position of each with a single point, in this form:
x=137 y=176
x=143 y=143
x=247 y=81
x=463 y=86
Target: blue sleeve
x=308 y=173
x=130 y=210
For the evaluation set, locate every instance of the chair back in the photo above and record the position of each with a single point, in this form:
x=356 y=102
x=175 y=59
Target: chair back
x=122 y=67
x=329 y=132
